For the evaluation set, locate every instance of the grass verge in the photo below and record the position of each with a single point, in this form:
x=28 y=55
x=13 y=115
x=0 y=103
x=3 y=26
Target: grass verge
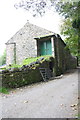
x=4 y=90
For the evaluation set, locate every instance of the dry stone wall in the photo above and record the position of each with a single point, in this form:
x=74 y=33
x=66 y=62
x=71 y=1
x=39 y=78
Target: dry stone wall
x=27 y=74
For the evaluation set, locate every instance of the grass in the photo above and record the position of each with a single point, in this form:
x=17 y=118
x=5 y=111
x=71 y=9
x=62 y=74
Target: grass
x=14 y=66
x=34 y=59
x=27 y=61
x=4 y=90
x=78 y=116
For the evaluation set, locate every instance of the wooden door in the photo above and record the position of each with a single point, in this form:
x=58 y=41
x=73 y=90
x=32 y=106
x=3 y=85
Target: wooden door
x=46 y=48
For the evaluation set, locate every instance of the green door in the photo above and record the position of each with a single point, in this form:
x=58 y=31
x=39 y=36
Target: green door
x=46 y=48
x=43 y=48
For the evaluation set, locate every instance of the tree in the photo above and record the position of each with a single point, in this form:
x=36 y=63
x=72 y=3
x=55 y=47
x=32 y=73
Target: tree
x=3 y=58
x=36 y=7
x=71 y=36
x=71 y=26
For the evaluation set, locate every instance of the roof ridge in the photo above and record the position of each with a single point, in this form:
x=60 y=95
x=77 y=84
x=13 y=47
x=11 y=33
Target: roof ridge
x=28 y=22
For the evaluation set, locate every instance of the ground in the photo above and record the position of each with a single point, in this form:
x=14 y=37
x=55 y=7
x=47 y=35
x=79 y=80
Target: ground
x=57 y=98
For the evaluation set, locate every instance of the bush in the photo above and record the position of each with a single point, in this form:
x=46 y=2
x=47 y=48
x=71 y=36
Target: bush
x=4 y=90
x=3 y=58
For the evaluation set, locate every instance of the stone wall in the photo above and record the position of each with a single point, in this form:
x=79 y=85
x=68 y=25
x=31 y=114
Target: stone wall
x=63 y=58
x=27 y=74
x=10 y=53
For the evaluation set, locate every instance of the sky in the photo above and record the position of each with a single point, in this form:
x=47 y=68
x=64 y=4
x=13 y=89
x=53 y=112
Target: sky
x=11 y=20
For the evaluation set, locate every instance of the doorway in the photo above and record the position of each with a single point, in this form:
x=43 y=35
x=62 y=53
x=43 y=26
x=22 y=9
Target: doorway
x=46 y=47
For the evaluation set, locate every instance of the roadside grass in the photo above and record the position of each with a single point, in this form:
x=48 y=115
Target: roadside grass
x=77 y=116
x=4 y=90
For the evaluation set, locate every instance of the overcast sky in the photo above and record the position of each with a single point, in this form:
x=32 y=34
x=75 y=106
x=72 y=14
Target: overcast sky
x=11 y=20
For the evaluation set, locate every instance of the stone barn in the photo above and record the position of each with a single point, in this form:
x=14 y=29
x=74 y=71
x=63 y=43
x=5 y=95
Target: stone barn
x=33 y=41
x=30 y=41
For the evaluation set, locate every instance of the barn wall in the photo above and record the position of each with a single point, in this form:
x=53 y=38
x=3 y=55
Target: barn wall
x=63 y=58
x=11 y=54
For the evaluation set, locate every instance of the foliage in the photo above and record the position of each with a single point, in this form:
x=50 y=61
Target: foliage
x=14 y=66
x=4 y=90
x=71 y=11
x=34 y=59
x=3 y=58
x=71 y=25
x=36 y=7
x=27 y=62
x=71 y=36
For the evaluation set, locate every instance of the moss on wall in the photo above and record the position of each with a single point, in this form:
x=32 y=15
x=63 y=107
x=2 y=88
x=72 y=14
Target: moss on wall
x=17 y=77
